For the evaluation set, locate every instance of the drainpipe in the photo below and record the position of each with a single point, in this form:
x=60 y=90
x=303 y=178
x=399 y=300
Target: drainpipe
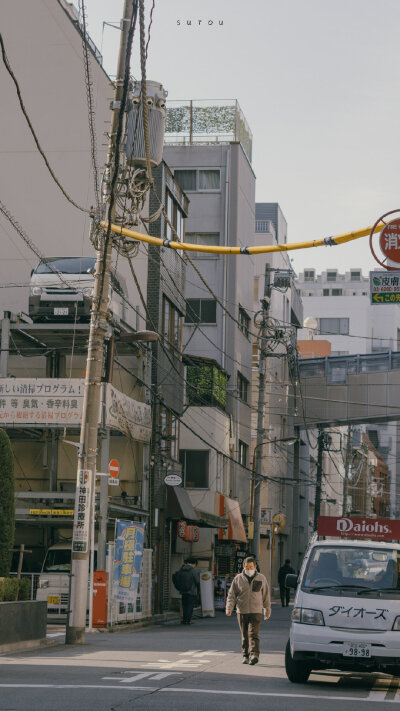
x=225 y=258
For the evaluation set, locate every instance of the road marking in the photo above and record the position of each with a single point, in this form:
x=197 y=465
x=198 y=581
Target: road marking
x=142 y=675
x=379 y=690
x=177 y=689
x=179 y=664
x=198 y=654
x=56 y=634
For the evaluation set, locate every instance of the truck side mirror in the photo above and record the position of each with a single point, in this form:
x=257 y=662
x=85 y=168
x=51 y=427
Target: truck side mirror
x=291 y=581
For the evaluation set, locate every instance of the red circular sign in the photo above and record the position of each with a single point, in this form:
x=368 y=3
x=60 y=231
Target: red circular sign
x=389 y=240
x=113 y=468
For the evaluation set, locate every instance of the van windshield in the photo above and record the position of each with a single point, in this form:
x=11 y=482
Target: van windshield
x=58 y=561
x=358 y=568
x=67 y=265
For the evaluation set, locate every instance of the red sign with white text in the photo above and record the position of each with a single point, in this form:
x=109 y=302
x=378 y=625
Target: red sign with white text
x=389 y=240
x=379 y=529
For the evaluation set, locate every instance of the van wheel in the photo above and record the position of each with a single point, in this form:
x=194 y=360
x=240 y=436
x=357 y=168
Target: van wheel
x=297 y=672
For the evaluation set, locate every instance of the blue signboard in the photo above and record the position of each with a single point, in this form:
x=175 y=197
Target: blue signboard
x=128 y=555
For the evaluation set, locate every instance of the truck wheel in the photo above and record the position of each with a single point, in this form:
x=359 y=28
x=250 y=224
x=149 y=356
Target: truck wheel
x=297 y=672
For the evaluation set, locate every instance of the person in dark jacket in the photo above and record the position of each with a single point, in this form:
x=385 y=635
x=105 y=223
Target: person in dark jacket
x=284 y=570
x=187 y=582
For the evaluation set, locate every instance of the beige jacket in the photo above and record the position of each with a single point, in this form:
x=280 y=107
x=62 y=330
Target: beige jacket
x=249 y=597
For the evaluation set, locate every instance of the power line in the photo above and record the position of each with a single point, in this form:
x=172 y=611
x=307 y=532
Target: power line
x=32 y=130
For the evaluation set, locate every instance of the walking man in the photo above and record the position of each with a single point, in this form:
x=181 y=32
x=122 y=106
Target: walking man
x=249 y=592
x=283 y=571
x=187 y=582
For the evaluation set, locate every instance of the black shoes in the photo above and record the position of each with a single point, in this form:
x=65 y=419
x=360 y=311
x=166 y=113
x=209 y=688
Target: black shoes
x=253 y=660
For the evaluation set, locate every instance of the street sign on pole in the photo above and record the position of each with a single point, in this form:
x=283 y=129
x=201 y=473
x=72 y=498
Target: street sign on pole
x=173 y=480
x=83 y=497
x=113 y=469
x=385 y=287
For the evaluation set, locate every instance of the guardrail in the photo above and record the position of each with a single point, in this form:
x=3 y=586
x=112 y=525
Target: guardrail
x=336 y=368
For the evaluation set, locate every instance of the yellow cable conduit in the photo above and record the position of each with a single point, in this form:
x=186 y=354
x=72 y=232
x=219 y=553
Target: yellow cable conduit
x=261 y=249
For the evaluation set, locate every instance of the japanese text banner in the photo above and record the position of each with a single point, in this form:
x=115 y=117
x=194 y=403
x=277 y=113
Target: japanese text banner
x=128 y=554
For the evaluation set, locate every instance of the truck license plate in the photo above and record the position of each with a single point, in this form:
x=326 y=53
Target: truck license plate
x=53 y=599
x=358 y=650
x=61 y=311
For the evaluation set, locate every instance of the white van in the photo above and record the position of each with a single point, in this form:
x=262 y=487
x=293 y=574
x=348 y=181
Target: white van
x=346 y=612
x=54 y=581
x=53 y=299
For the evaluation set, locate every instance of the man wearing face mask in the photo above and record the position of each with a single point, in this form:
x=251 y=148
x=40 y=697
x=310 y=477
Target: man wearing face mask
x=249 y=592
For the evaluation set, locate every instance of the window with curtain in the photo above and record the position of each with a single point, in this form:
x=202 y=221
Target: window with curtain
x=209 y=179
x=186 y=179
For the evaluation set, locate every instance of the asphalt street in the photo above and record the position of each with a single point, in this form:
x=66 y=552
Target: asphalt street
x=168 y=667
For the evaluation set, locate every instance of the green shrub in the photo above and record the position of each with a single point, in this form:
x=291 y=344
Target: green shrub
x=9 y=588
x=24 y=589
x=7 y=506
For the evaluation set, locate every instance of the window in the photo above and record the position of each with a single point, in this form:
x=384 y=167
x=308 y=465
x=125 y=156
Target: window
x=244 y=321
x=355 y=276
x=209 y=180
x=201 y=311
x=334 y=326
x=186 y=179
x=206 y=239
x=243 y=449
x=325 y=292
x=168 y=427
x=195 y=468
x=256 y=287
x=243 y=387
x=176 y=217
x=331 y=276
x=309 y=274
x=171 y=325
x=205 y=179
x=337 y=292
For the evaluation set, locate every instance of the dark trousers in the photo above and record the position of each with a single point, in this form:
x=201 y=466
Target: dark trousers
x=250 y=629
x=285 y=595
x=188 y=603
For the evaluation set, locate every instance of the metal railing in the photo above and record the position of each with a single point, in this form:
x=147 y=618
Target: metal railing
x=337 y=368
x=34 y=578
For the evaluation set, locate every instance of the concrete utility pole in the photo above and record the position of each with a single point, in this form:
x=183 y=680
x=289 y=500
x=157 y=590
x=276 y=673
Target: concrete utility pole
x=347 y=470
x=318 y=484
x=260 y=412
x=87 y=452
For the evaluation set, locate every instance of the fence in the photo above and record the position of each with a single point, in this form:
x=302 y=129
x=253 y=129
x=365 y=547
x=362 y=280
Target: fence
x=336 y=368
x=34 y=578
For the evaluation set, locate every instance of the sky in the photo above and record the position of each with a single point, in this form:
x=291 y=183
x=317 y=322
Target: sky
x=318 y=81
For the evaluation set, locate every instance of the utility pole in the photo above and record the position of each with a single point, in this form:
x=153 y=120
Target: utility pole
x=347 y=470
x=260 y=412
x=318 y=485
x=87 y=451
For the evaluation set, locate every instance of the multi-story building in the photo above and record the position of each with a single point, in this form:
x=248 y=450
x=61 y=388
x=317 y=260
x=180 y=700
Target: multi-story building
x=209 y=149
x=339 y=310
x=286 y=313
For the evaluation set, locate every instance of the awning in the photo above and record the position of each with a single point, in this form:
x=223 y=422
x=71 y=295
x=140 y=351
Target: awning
x=209 y=520
x=179 y=504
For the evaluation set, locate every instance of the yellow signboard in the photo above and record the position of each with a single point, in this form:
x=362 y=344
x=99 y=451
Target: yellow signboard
x=51 y=512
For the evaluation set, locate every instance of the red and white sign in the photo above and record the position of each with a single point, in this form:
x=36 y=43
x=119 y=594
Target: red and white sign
x=389 y=240
x=379 y=529
x=113 y=468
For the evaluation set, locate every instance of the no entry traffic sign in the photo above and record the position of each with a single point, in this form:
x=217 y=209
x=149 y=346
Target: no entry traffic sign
x=113 y=468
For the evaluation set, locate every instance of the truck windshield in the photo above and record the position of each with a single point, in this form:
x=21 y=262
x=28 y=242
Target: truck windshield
x=58 y=561
x=67 y=265
x=353 y=568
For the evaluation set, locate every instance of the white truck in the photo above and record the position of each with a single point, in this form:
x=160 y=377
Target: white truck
x=346 y=612
x=54 y=581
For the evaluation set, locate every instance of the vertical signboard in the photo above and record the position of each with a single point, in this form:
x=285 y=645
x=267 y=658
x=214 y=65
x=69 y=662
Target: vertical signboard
x=128 y=553
x=83 y=497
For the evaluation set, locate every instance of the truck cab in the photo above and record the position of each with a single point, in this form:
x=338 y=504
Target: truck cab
x=54 y=581
x=346 y=612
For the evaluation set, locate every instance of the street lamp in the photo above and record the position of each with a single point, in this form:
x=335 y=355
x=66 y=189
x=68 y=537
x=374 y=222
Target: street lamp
x=257 y=487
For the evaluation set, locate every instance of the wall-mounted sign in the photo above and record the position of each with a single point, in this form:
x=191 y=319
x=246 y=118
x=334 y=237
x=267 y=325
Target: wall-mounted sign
x=51 y=512
x=173 y=480
x=385 y=287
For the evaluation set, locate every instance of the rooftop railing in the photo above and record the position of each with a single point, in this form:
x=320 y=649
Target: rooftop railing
x=337 y=368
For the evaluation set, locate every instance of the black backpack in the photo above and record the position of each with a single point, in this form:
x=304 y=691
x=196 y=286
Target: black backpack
x=183 y=580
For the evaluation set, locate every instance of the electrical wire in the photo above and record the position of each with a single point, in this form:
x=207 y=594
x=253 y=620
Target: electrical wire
x=32 y=130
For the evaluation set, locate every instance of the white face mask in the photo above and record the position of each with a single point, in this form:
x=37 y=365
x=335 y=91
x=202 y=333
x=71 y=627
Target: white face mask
x=251 y=572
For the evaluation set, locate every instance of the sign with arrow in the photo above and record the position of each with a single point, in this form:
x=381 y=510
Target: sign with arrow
x=385 y=287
